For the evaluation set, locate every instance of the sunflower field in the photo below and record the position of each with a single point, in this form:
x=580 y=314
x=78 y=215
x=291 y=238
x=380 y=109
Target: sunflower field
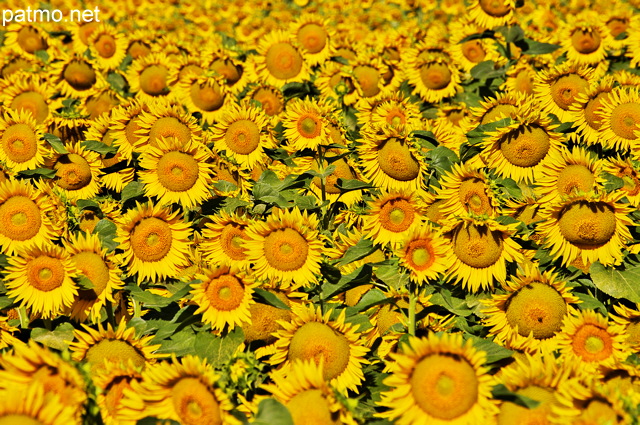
x=315 y=212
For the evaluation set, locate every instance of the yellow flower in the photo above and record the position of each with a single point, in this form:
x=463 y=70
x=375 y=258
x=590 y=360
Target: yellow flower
x=21 y=145
x=585 y=38
x=393 y=216
x=279 y=60
x=423 y=252
x=438 y=380
x=466 y=190
x=620 y=119
x=155 y=242
x=311 y=335
x=108 y=46
x=287 y=247
x=31 y=407
x=175 y=172
x=40 y=278
x=148 y=76
x=111 y=381
x=557 y=88
x=205 y=94
x=314 y=34
x=78 y=172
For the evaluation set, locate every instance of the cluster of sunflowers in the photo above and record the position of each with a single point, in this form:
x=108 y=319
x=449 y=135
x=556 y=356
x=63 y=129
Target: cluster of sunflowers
x=309 y=212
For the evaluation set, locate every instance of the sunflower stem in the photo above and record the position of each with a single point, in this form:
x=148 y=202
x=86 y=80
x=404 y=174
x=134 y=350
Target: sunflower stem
x=413 y=298
x=47 y=324
x=24 y=317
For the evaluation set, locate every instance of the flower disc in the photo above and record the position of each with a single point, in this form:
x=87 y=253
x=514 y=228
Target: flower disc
x=19 y=143
x=283 y=61
x=525 y=147
x=242 y=136
x=194 y=403
x=444 y=387
x=20 y=218
x=286 y=249
x=207 y=97
x=585 y=41
x=151 y=239
x=575 y=178
x=397 y=161
x=316 y=341
x=477 y=246
x=225 y=292
x=311 y=407
x=79 y=75
x=115 y=350
x=368 y=79
x=153 y=80
x=397 y=215
x=565 y=89
x=435 y=76
x=588 y=225
x=592 y=343
x=169 y=127
x=45 y=273
x=536 y=308
x=177 y=171
x=312 y=37
x=30 y=40
x=32 y=102
x=625 y=120
x=73 y=172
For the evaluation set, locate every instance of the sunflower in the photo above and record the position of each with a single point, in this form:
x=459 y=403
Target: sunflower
x=81 y=32
x=6 y=333
x=629 y=318
x=587 y=110
x=556 y=89
x=585 y=38
x=423 y=252
x=70 y=129
x=31 y=407
x=617 y=19
x=32 y=94
x=40 y=278
x=148 y=76
x=367 y=71
x=101 y=102
x=280 y=60
x=539 y=378
x=577 y=172
x=93 y=263
x=108 y=46
x=529 y=315
x=231 y=69
x=308 y=396
x=587 y=403
x=592 y=227
x=266 y=319
x=242 y=133
x=155 y=242
x=438 y=380
x=100 y=131
x=222 y=240
x=433 y=76
x=77 y=172
x=287 y=246
x=503 y=105
x=224 y=297
x=480 y=251
x=470 y=53
x=630 y=175
x=26 y=38
x=184 y=390
x=176 y=172
x=620 y=119
x=520 y=78
x=270 y=97
x=185 y=65
x=466 y=190
x=335 y=81
x=124 y=127
x=593 y=340
x=305 y=124
x=311 y=335
x=393 y=216
x=21 y=144
x=523 y=149
x=76 y=76
x=206 y=94
x=392 y=109
x=111 y=382
x=17 y=62
x=315 y=36
x=138 y=43
x=165 y=119
x=391 y=160
x=32 y=363
x=99 y=347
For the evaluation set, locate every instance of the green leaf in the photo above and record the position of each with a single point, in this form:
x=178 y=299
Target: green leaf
x=477 y=36
x=106 y=231
x=494 y=351
x=218 y=350
x=442 y=159
x=101 y=148
x=47 y=173
x=155 y=301
x=511 y=33
x=617 y=283
x=357 y=252
x=181 y=343
x=589 y=302
x=331 y=273
x=150 y=420
x=42 y=55
x=392 y=276
x=85 y=283
x=231 y=204
x=55 y=143
x=270 y=298
x=272 y=412
x=84 y=204
x=455 y=305
x=501 y=392
x=486 y=70
x=133 y=190
x=532 y=47
x=56 y=339
x=612 y=182
x=117 y=81
x=348 y=185
x=512 y=188
x=372 y=298
x=360 y=276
